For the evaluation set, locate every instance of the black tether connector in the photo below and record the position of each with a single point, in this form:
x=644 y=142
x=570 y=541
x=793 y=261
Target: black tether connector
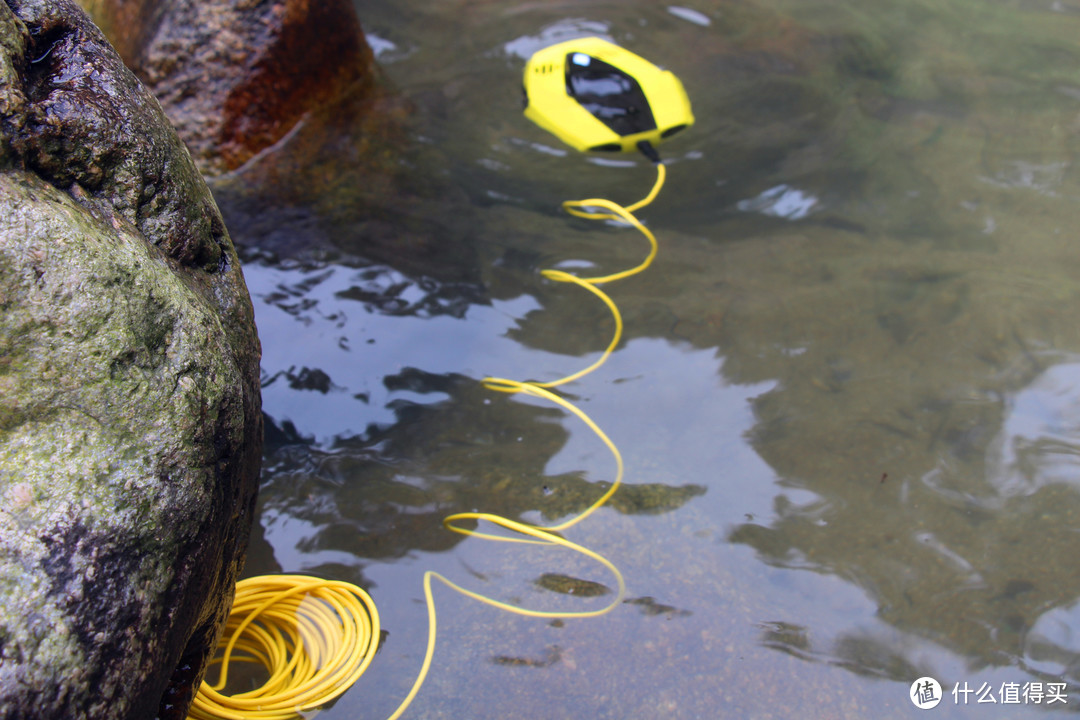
x=648 y=151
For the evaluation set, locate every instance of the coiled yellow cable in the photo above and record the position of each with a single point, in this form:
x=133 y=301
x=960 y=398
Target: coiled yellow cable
x=315 y=637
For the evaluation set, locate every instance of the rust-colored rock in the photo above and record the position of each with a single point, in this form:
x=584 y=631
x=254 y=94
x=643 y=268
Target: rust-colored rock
x=235 y=76
x=287 y=115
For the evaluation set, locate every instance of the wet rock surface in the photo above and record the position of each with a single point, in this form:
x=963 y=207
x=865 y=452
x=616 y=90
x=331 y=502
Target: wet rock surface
x=306 y=146
x=236 y=77
x=130 y=428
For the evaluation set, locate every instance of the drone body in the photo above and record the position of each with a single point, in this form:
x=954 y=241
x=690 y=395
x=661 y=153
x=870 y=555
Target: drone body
x=594 y=95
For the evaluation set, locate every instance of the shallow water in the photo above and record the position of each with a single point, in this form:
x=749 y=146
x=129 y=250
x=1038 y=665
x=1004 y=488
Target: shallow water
x=848 y=398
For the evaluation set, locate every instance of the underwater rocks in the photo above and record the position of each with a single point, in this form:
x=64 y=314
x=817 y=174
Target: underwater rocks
x=130 y=424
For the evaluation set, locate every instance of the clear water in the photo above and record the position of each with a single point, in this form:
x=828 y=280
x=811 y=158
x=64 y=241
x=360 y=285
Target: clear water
x=848 y=398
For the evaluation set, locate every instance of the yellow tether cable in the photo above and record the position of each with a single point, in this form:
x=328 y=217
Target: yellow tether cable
x=316 y=637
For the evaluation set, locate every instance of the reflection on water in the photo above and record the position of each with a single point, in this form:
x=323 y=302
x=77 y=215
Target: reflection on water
x=781 y=201
x=848 y=398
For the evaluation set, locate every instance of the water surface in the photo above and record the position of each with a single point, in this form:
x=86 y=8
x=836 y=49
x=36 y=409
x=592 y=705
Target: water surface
x=848 y=397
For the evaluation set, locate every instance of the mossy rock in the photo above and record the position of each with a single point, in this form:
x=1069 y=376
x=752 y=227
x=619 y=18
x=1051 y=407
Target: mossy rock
x=130 y=423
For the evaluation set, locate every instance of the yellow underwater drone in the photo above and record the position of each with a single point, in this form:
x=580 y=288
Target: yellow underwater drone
x=594 y=95
x=316 y=637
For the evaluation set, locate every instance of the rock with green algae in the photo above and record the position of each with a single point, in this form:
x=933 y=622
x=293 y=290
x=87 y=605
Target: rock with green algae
x=130 y=426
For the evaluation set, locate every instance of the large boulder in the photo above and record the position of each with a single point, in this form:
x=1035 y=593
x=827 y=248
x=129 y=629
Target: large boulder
x=130 y=424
